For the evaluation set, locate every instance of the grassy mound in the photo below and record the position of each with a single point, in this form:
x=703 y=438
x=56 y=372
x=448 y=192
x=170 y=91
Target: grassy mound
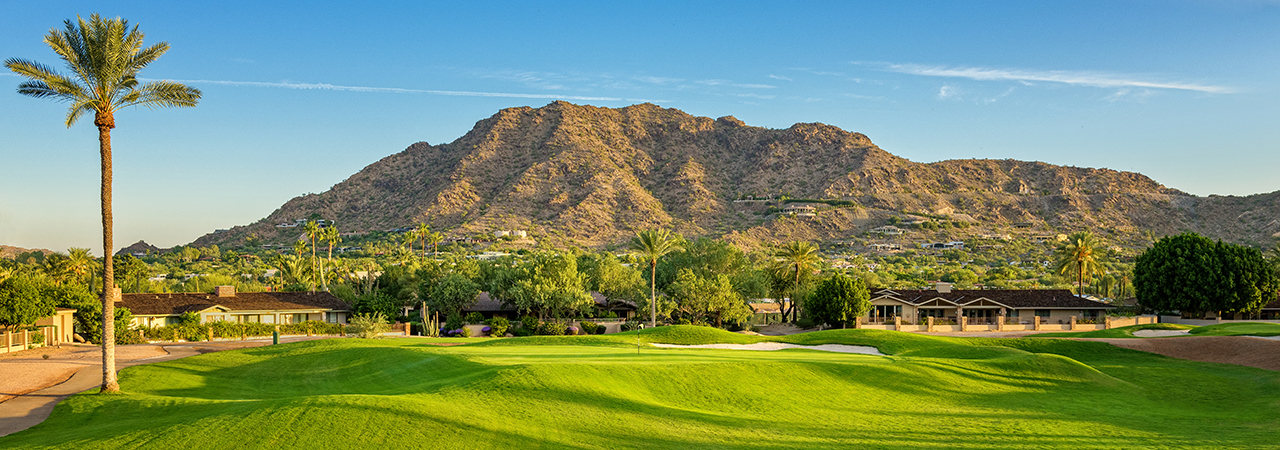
x=606 y=392
x=1239 y=329
x=1120 y=332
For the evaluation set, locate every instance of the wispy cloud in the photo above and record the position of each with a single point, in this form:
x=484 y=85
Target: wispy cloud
x=780 y=77
x=386 y=90
x=1072 y=77
x=737 y=85
x=947 y=92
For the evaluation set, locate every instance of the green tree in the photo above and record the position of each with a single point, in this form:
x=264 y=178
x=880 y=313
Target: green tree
x=547 y=284
x=1192 y=274
x=839 y=300
x=332 y=237
x=710 y=298
x=452 y=294
x=650 y=246
x=421 y=233
x=796 y=257
x=22 y=303
x=608 y=276
x=105 y=56
x=1078 y=256
x=313 y=234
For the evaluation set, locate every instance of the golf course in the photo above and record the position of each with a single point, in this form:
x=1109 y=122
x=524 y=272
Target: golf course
x=618 y=391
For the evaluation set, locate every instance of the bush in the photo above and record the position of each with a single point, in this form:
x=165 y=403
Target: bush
x=571 y=330
x=683 y=321
x=630 y=325
x=551 y=329
x=805 y=323
x=519 y=332
x=498 y=326
x=368 y=326
x=589 y=327
x=37 y=338
x=464 y=332
x=454 y=322
x=530 y=323
x=475 y=318
x=599 y=329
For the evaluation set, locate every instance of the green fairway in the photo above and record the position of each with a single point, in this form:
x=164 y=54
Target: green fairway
x=1239 y=329
x=1118 y=333
x=604 y=392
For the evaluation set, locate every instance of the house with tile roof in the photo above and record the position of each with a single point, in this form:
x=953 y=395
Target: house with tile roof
x=982 y=306
x=225 y=304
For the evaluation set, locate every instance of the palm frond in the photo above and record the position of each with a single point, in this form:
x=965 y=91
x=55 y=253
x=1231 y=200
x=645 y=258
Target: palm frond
x=38 y=89
x=30 y=69
x=146 y=55
x=163 y=94
x=79 y=107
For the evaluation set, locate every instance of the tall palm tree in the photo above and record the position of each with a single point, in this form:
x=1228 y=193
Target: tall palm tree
x=332 y=237
x=422 y=232
x=313 y=232
x=801 y=256
x=652 y=245
x=435 y=238
x=104 y=56
x=1078 y=256
x=299 y=246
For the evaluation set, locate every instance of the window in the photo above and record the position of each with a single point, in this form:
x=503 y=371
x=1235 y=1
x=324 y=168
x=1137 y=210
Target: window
x=248 y=318
x=299 y=318
x=933 y=313
x=1042 y=313
x=1089 y=314
x=1013 y=313
x=887 y=311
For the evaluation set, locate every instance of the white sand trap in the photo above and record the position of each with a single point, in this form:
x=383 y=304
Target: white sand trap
x=1274 y=338
x=1160 y=333
x=838 y=348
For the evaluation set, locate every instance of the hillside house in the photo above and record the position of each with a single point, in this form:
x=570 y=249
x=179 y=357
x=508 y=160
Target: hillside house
x=888 y=230
x=953 y=245
x=800 y=210
x=225 y=304
x=885 y=247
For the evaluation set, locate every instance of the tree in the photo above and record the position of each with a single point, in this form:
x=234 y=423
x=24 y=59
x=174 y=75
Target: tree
x=80 y=263
x=313 y=234
x=652 y=245
x=105 y=56
x=452 y=294
x=421 y=232
x=434 y=238
x=797 y=257
x=839 y=300
x=608 y=276
x=332 y=237
x=1192 y=274
x=22 y=303
x=1078 y=256
x=712 y=298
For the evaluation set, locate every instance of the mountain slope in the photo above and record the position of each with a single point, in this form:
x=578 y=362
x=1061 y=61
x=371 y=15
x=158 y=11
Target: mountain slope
x=592 y=176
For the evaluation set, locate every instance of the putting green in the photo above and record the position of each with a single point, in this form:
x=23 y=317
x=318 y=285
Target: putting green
x=603 y=392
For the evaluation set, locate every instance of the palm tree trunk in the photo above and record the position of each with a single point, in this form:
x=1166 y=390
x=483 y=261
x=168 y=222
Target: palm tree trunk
x=653 y=293
x=328 y=262
x=109 y=381
x=795 y=291
x=314 y=267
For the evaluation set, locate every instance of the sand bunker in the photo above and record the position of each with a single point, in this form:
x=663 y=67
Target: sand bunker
x=767 y=346
x=1160 y=333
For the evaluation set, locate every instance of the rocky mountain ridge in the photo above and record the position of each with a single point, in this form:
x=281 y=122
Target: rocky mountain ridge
x=584 y=175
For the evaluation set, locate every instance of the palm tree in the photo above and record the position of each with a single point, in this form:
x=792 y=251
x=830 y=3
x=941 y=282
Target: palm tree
x=1078 y=256
x=652 y=245
x=300 y=246
x=801 y=256
x=80 y=263
x=331 y=236
x=435 y=238
x=105 y=56
x=313 y=232
x=422 y=232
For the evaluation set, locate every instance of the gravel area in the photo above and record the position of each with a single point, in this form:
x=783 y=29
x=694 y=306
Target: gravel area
x=769 y=346
x=1241 y=350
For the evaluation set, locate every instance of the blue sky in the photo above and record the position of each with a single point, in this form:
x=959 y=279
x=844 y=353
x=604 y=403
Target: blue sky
x=297 y=97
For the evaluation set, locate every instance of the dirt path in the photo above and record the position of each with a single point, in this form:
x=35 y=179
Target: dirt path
x=1240 y=350
x=30 y=385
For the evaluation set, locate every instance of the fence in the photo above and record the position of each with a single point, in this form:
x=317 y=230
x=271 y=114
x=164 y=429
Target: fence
x=27 y=338
x=968 y=324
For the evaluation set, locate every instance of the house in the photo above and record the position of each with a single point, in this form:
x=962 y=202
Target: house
x=956 y=245
x=225 y=304
x=982 y=306
x=886 y=247
x=800 y=210
x=888 y=230
x=56 y=329
x=512 y=233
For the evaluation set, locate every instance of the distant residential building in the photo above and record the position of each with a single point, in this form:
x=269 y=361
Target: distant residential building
x=888 y=230
x=800 y=210
x=227 y=305
x=512 y=233
x=953 y=245
x=886 y=247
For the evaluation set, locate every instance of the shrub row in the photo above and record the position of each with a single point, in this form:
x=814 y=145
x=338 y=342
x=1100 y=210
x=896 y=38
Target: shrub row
x=221 y=330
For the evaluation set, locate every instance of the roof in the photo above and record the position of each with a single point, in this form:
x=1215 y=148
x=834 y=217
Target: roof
x=170 y=304
x=765 y=308
x=1013 y=298
x=1275 y=304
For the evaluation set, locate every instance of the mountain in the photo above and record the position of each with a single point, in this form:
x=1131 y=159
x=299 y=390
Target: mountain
x=11 y=252
x=591 y=176
x=141 y=247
